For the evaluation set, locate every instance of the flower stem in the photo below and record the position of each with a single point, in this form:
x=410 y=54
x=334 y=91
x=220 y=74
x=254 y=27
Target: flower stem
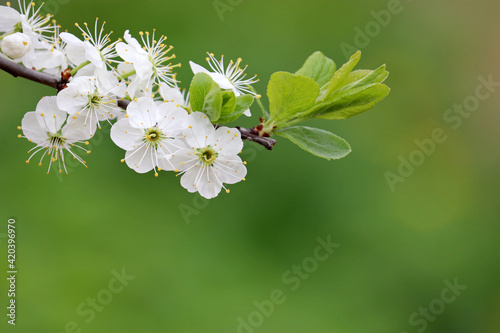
x=126 y=75
x=76 y=69
x=265 y=114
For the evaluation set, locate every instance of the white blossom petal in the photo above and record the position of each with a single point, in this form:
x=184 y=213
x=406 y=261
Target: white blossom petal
x=172 y=119
x=31 y=128
x=171 y=94
x=188 y=179
x=75 y=129
x=230 y=169
x=125 y=136
x=208 y=186
x=201 y=132
x=228 y=141
x=140 y=160
x=142 y=113
x=9 y=17
x=49 y=116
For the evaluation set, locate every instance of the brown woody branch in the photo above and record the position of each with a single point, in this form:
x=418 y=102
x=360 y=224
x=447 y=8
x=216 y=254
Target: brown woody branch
x=18 y=70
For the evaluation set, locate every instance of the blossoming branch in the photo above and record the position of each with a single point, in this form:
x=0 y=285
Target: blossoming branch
x=131 y=84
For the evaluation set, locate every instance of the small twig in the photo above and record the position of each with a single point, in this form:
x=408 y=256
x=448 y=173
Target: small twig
x=247 y=134
x=18 y=70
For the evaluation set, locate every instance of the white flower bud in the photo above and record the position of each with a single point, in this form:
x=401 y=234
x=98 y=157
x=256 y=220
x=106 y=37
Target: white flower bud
x=15 y=45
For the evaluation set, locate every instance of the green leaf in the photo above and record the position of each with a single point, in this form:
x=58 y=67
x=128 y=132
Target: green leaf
x=289 y=94
x=318 y=67
x=243 y=103
x=228 y=102
x=352 y=102
x=340 y=76
x=317 y=142
x=200 y=87
x=206 y=96
x=363 y=77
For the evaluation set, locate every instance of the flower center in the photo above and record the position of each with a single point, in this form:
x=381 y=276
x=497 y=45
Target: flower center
x=153 y=136
x=207 y=155
x=56 y=140
x=94 y=99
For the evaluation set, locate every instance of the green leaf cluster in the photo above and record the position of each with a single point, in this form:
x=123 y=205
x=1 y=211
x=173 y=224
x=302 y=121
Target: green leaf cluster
x=319 y=90
x=221 y=106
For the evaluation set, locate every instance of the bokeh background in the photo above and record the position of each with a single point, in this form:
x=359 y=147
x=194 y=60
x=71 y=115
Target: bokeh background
x=201 y=273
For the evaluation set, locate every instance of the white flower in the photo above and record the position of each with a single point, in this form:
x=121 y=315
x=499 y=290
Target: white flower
x=212 y=159
x=86 y=96
x=231 y=78
x=150 y=134
x=9 y=17
x=28 y=18
x=174 y=95
x=151 y=62
x=15 y=45
x=30 y=22
x=52 y=59
x=54 y=132
x=34 y=24
x=93 y=55
x=135 y=88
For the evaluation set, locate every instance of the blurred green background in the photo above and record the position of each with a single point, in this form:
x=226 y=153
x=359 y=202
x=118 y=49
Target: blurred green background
x=202 y=273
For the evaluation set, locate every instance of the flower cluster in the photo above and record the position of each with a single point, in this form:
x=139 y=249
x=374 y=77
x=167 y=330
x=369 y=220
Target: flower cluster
x=131 y=84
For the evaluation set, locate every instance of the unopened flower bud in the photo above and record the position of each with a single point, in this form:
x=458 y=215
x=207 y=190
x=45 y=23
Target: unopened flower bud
x=15 y=45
